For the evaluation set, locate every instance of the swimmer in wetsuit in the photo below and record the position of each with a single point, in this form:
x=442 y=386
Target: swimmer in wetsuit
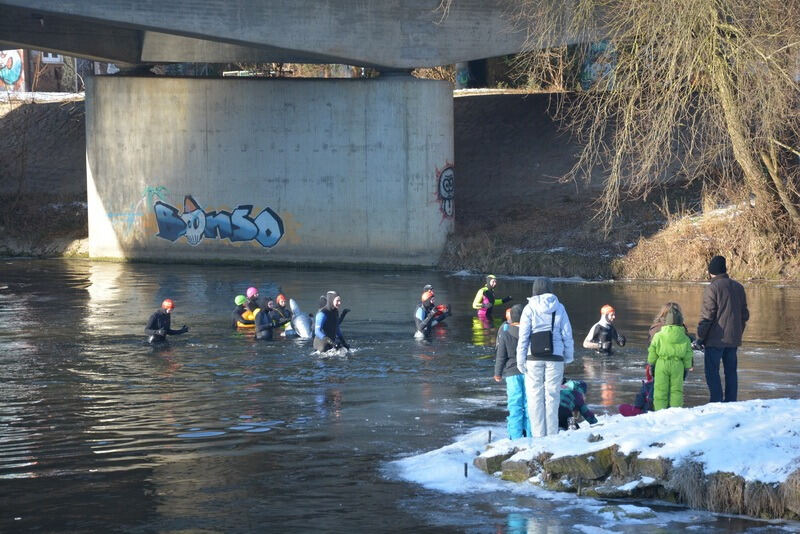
x=158 y=326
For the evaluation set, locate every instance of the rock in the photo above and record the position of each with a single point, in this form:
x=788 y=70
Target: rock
x=589 y=466
x=516 y=470
x=491 y=462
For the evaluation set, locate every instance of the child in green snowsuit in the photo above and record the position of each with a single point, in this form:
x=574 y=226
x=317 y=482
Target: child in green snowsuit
x=671 y=353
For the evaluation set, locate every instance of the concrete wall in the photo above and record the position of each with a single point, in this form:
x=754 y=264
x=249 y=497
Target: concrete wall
x=344 y=171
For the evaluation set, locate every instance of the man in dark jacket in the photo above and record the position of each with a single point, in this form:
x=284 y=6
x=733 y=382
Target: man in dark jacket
x=158 y=326
x=505 y=367
x=722 y=322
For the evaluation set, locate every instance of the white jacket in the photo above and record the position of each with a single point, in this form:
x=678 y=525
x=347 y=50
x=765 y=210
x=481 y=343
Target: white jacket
x=536 y=317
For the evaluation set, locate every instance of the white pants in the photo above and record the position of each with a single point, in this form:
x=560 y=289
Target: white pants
x=543 y=390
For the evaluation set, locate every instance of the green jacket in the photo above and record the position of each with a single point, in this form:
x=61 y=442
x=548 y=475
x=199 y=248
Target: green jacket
x=671 y=343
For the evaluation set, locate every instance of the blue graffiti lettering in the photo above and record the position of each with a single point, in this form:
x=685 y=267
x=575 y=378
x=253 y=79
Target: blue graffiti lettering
x=266 y=228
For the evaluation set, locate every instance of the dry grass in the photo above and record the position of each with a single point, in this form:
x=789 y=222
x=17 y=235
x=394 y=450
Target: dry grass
x=688 y=480
x=38 y=217
x=763 y=500
x=681 y=251
x=725 y=493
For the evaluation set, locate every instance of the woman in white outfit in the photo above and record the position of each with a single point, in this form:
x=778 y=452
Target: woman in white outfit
x=545 y=347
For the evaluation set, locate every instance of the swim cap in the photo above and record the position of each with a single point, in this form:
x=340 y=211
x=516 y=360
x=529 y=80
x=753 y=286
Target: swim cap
x=605 y=310
x=490 y=277
x=428 y=295
x=239 y=300
x=280 y=299
x=252 y=292
x=167 y=304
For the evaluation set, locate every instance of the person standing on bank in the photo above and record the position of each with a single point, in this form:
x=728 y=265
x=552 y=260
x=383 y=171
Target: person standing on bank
x=722 y=323
x=545 y=346
x=505 y=367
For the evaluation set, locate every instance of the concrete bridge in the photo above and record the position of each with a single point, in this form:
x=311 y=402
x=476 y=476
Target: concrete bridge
x=275 y=170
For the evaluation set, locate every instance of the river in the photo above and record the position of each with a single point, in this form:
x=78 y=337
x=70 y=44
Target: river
x=100 y=432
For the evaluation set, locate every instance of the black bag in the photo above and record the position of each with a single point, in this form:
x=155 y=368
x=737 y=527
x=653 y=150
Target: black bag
x=542 y=343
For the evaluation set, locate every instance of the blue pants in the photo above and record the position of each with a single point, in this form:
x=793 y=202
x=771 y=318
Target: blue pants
x=518 y=420
x=713 y=355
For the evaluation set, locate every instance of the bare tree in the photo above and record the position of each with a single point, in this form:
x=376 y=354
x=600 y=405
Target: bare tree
x=709 y=84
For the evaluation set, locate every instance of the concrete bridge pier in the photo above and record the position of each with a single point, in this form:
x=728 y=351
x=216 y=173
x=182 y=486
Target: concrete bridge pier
x=277 y=170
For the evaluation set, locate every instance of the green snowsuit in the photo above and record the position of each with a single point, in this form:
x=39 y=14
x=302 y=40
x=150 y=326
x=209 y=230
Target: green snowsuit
x=671 y=353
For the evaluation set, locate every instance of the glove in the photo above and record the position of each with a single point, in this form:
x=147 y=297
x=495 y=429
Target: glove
x=337 y=345
x=621 y=340
x=345 y=345
x=184 y=329
x=161 y=332
x=506 y=299
x=605 y=345
x=697 y=345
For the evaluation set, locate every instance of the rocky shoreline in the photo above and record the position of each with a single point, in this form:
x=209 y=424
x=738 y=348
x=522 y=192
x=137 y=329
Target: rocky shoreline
x=604 y=462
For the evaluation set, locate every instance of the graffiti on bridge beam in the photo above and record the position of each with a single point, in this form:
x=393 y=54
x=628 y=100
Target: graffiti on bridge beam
x=195 y=224
x=445 y=192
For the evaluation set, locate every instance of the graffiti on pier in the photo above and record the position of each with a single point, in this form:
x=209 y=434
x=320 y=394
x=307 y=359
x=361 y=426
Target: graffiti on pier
x=11 y=72
x=446 y=189
x=195 y=224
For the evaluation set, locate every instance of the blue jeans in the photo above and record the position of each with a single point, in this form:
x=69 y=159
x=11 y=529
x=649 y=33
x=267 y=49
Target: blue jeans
x=518 y=421
x=713 y=355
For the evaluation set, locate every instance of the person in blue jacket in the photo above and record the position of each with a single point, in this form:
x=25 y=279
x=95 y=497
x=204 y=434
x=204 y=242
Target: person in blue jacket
x=505 y=367
x=327 y=334
x=573 y=401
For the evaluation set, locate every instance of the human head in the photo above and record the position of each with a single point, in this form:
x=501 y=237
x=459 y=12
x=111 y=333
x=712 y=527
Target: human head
x=239 y=300
x=608 y=312
x=515 y=313
x=167 y=305
x=333 y=300
x=428 y=299
x=491 y=281
x=542 y=285
x=717 y=266
x=281 y=300
x=427 y=287
x=664 y=309
x=269 y=302
x=252 y=292
x=673 y=316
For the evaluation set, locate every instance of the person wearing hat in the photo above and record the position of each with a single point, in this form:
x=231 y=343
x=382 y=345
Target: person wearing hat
x=485 y=300
x=327 y=334
x=573 y=402
x=545 y=347
x=603 y=332
x=505 y=368
x=428 y=314
x=671 y=354
x=723 y=319
x=241 y=316
x=158 y=326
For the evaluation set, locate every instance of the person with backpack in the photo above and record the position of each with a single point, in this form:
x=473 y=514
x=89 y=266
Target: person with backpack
x=545 y=347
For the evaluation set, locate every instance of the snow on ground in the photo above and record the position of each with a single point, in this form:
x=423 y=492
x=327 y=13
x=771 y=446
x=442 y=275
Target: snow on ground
x=756 y=439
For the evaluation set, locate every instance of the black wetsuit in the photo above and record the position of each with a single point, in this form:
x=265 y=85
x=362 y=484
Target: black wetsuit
x=236 y=317
x=281 y=315
x=158 y=326
x=264 y=325
x=328 y=323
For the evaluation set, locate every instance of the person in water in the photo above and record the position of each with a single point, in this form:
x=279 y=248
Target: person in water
x=252 y=299
x=263 y=322
x=573 y=402
x=281 y=309
x=603 y=332
x=158 y=326
x=505 y=367
x=428 y=314
x=241 y=316
x=485 y=301
x=323 y=301
x=671 y=354
x=327 y=333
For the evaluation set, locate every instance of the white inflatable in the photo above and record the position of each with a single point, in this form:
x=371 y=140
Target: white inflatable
x=301 y=322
